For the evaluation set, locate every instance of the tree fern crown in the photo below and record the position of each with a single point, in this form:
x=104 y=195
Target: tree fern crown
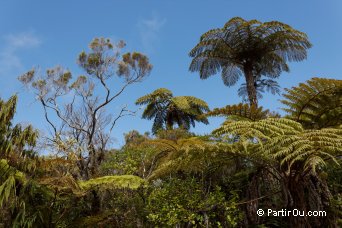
x=249 y=48
x=167 y=110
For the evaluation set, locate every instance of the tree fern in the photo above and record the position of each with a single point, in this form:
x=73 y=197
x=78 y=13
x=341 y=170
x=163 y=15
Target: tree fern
x=260 y=130
x=261 y=86
x=242 y=111
x=167 y=110
x=287 y=141
x=316 y=104
x=293 y=156
x=250 y=48
x=191 y=155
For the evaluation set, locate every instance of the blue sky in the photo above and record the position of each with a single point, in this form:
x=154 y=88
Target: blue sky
x=49 y=33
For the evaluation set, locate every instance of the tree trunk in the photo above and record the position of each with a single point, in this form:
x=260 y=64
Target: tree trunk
x=252 y=206
x=95 y=202
x=93 y=167
x=251 y=89
x=169 y=122
x=309 y=193
x=297 y=191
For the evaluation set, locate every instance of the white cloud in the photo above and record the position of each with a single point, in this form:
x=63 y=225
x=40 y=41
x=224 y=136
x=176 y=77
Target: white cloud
x=149 y=31
x=14 y=43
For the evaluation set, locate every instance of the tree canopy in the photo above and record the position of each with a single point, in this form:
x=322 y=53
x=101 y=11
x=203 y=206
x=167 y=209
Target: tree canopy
x=250 y=48
x=168 y=110
x=256 y=159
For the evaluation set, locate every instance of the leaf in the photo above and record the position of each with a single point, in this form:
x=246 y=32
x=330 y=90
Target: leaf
x=113 y=182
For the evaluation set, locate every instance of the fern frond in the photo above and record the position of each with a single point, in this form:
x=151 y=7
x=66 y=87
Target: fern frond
x=189 y=155
x=167 y=110
x=260 y=130
x=286 y=141
x=316 y=104
x=262 y=48
x=306 y=149
x=244 y=111
x=113 y=182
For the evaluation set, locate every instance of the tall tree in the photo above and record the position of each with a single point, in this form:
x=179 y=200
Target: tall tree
x=280 y=162
x=296 y=149
x=18 y=163
x=79 y=105
x=249 y=48
x=168 y=110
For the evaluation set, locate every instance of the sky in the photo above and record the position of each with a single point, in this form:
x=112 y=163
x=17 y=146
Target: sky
x=40 y=33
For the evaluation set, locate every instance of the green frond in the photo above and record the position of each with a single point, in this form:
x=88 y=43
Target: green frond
x=316 y=104
x=157 y=95
x=181 y=103
x=302 y=147
x=63 y=184
x=286 y=141
x=312 y=162
x=167 y=110
x=248 y=47
x=192 y=155
x=262 y=129
x=7 y=188
x=112 y=182
x=197 y=103
x=244 y=111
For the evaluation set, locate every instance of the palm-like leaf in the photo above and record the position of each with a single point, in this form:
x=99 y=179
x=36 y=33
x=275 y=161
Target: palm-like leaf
x=316 y=104
x=186 y=155
x=288 y=142
x=242 y=112
x=251 y=48
x=261 y=86
x=167 y=110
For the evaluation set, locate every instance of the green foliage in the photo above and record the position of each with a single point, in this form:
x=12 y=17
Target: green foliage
x=270 y=44
x=119 y=208
x=109 y=182
x=133 y=62
x=167 y=110
x=287 y=141
x=333 y=176
x=135 y=158
x=130 y=160
x=255 y=159
x=9 y=179
x=7 y=188
x=191 y=156
x=242 y=111
x=18 y=164
x=121 y=162
x=185 y=202
x=135 y=138
x=251 y=48
x=316 y=104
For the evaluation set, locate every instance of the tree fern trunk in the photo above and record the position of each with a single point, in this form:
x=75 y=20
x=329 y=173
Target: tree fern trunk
x=251 y=89
x=296 y=188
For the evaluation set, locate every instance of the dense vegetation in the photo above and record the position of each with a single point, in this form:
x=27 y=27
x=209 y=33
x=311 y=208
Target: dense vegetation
x=257 y=158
